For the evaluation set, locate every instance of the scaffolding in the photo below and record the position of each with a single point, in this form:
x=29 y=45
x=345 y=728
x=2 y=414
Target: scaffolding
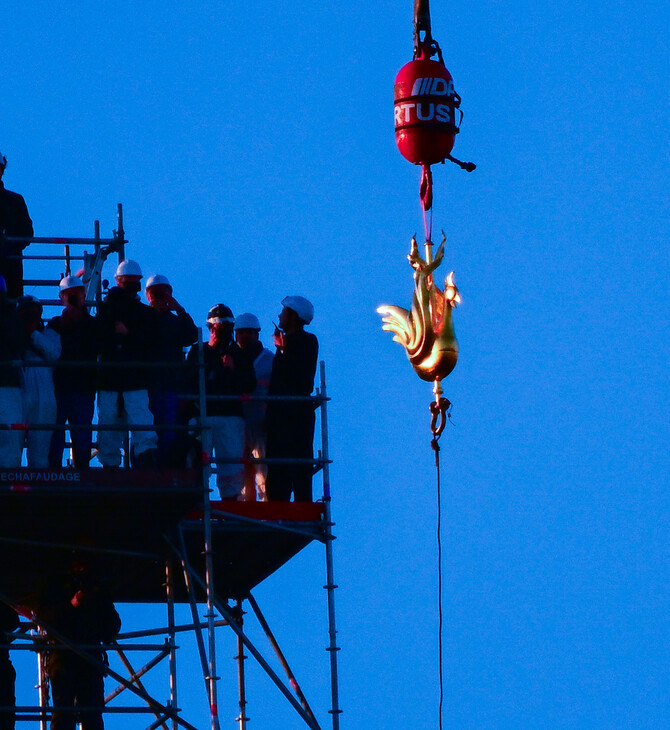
x=159 y=538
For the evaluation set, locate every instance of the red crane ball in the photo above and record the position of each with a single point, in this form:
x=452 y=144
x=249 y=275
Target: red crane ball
x=425 y=112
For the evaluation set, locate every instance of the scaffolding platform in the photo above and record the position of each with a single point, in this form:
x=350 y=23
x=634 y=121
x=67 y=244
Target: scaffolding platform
x=125 y=522
x=114 y=519
x=156 y=537
x=251 y=540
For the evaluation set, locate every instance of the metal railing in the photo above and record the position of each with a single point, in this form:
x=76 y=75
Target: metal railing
x=197 y=425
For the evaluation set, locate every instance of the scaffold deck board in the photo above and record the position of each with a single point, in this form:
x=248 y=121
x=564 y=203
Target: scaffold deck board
x=122 y=523
x=114 y=520
x=251 y=540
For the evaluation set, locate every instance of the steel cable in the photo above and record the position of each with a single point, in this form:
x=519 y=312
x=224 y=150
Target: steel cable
x=436 y=448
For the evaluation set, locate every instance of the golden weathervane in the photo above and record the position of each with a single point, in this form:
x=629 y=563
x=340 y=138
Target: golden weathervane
x=427 y=331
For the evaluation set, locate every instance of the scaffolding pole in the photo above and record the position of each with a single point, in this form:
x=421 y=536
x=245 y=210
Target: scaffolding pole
x=119 y=233
x=330 y=586
x=169 y=596
x=190 y=592
x=209 y=557
x=242 y=718
x=43 y=685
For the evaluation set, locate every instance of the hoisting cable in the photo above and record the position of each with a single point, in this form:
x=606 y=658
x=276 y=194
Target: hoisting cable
x=426 y=195
x=440 y=411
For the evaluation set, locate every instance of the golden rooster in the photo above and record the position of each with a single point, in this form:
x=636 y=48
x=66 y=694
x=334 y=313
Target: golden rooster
x=427 y=332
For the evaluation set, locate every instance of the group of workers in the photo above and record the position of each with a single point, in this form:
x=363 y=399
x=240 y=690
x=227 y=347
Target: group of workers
x=131 y=355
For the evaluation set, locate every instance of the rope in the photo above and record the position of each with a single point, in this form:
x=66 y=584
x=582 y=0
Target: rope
x=440 y=411
x=436 y=449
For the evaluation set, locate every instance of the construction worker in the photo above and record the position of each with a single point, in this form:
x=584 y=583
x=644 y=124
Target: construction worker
x=14 y=222
x=11 y=402
x=290 y=425
x=247 y=334
x=227 y=373
x=75 y=385
x=79 y=609
x=41 y=345
x=175 y=331
x=126 y=333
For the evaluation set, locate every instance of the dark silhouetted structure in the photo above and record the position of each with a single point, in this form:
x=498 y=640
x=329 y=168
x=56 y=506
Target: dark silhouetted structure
x=9 y=620
x=79 y=610
x=14 y=222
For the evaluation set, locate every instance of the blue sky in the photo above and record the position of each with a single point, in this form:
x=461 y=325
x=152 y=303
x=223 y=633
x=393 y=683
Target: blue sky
x=252 y=147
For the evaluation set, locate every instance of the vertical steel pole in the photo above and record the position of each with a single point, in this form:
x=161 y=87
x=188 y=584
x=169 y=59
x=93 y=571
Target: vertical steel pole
x=330 y=581
x=120 y=233
x=242 y=718
x=190 y=590
x=209 y=558
x=126 y=449
x=169 y=595
x=98 y=289
x=42 y=686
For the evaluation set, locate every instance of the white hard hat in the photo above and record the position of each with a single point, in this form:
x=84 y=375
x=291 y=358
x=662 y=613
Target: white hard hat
x=128 y=268
x=301 y=306
x=247 y=321
x=156 y=280
x=70 y=282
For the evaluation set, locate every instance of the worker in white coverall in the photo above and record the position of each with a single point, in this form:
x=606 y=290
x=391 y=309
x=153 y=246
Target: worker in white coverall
x=42 y=345
x=127 y=338
x=247 y=329
x=11 y=402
